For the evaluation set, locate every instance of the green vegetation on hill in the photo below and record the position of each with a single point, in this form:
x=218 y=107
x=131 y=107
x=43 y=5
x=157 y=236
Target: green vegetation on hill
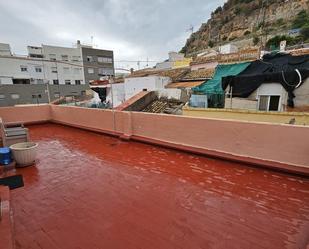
x=301 y=22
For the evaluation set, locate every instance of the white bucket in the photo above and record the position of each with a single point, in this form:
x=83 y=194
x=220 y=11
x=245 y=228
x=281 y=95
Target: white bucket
x=24 y=153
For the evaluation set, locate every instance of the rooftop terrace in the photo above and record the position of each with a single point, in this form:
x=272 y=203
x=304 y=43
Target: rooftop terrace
x=89 y=190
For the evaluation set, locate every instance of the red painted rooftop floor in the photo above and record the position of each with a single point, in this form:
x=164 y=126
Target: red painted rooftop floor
x=94 y=191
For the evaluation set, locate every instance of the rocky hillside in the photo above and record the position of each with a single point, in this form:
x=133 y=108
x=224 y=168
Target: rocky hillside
x=249 y=20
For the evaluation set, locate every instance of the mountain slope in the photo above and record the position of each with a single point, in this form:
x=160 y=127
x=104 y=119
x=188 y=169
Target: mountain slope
x=250 y=20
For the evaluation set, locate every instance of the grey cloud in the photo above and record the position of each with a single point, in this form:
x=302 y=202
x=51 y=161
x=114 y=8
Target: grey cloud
x=134 y=29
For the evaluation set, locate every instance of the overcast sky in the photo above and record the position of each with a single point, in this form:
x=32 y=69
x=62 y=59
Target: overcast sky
x=134 y=29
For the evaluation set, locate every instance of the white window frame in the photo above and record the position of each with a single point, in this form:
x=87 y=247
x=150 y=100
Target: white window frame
x=15 y=96
x=268 y=102
x=64 y=57
x=2 y=96
x=90 y=70
x=54 y=82
x=66 y=70
x=52 y=57
x=23 y=67
x=54 y=70
x=66 y=81
x=75 y=58
x=80 y=82
x=90 y=58
x=38 y=69
x=105 y=59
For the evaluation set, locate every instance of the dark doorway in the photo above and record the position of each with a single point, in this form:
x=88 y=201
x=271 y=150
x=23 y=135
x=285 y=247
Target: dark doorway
x=274 y=103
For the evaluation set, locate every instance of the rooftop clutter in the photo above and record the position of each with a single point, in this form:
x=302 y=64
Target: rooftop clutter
x=290 y=71
x=244 y=78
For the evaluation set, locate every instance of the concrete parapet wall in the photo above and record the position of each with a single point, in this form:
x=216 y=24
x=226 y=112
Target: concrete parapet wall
x=279 y=146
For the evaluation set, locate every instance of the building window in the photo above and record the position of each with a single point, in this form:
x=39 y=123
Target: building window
x=56 y=82
x=269 y=103
x=90 y=70
x=106 y=71
x=38 y=69
x=77 y=70
x=66 y=70
x=36 y=96
x=15 y=96
x=2 y=96
x=23 y=68
x=89 y=58
x=67 y=82
x=54 y=70
x=52 y=57
x=75 y=58
x=102 y=59
x=78 y=82
x=39 y=81
x=64 y=57
x=57 y=95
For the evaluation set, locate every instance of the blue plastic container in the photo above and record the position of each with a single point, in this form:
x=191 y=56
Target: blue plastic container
x=5 y=156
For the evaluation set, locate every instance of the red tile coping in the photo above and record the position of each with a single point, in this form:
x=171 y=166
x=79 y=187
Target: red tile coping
x=6 y=221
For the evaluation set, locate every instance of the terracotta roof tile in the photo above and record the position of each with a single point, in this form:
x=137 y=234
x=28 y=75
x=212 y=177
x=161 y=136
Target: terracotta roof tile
x=200 y=74
x=185 y=84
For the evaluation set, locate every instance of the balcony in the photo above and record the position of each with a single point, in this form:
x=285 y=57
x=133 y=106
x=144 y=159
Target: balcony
x=90 y=189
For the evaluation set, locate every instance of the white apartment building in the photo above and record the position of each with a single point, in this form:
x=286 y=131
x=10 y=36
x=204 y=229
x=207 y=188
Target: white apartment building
x=46 y=64
x=67 y=67
x=58 y=70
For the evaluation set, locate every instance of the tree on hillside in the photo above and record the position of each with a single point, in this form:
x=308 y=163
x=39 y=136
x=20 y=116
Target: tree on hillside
x=305 y=32
x=301 y=20
x=275 y=41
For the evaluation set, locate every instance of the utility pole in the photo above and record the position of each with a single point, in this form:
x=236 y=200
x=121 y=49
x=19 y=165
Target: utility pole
x=111 y=82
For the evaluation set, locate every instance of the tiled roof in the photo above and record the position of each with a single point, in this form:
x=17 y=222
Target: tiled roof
x=174 y=74
x=185 y=84
x=302 y=51
x=119 y=80
x=200 y=74
x=248 y=54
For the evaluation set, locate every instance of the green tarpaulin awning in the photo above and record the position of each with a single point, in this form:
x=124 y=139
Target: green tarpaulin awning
x=214 y=86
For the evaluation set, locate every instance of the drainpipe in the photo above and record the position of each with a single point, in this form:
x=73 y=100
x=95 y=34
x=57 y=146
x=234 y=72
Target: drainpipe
x=231 y=98
x=47 y=91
